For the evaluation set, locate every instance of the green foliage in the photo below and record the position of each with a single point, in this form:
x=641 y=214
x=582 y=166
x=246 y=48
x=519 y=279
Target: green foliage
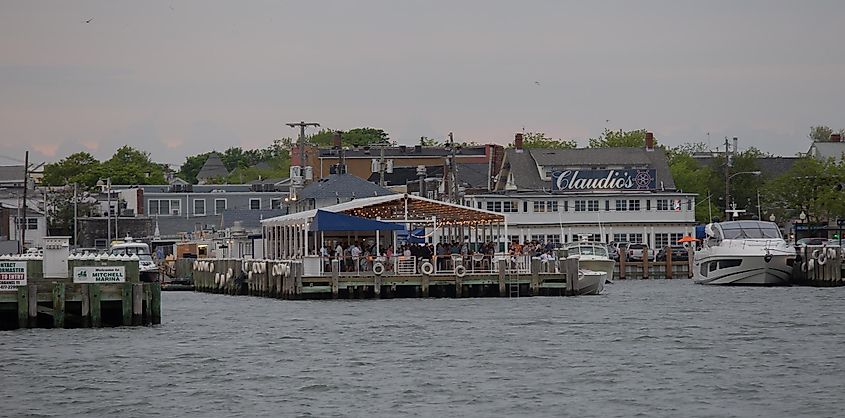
x=809 y=186
x=692 y=177
x=81 y=168
x=352 y=138
x=822 y=133
x=131 y=166
x=430 y=142
x=540 y=140
x=620 y=138
x=60 y=203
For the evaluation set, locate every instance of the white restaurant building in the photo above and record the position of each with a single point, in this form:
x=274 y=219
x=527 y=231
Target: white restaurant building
x=608 y=194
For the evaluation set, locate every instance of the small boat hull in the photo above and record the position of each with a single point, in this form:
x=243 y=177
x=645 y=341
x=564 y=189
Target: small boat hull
x=590 y=282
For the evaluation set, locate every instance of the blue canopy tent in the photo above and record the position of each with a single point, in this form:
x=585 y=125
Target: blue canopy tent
x=330 y=221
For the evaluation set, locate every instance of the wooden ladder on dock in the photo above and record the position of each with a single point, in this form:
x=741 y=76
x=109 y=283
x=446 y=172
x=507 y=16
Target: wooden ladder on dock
x=513 y=282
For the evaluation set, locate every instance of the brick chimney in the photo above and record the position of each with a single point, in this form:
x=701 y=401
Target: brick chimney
x=835 y=138
x=336 y=140
x=517 y=142
x=649 y=141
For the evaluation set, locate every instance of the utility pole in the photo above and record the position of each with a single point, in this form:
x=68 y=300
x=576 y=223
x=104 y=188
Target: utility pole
x=381 y=167
x=302 y=125
x=453 y=171
x=727 y=177
x=23 y=225
x=75 y=216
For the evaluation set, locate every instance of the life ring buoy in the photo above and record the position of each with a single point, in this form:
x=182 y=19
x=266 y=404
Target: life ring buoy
x=211 y=267
x=427 y=268
x=378 y=269
x=195 y=264
x=822 y=257
x=460 y=270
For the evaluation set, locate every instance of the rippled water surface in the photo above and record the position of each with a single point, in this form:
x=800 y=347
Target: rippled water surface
x=651 y=348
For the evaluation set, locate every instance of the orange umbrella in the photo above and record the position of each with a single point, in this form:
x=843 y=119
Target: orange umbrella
x=687 y=238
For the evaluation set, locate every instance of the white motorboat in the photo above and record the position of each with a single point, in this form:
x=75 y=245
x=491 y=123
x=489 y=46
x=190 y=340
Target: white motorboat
x=592 y=256
x=590 y=282
x=147 y=267
x=744 y=253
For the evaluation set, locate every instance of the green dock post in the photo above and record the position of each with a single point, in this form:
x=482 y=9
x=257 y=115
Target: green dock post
x=23 y=306
x=148 y=303
x=59 y=305
x=94 y=298
x=137 y=303
x=126 y=303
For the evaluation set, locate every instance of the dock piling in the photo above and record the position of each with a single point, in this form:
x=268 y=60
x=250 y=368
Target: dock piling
x=59 y=305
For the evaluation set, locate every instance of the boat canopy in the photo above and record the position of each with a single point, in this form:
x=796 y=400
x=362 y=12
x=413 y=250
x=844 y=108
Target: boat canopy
x=330 y=221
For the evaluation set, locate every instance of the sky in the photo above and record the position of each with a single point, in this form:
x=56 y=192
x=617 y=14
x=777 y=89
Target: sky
x=178 y=78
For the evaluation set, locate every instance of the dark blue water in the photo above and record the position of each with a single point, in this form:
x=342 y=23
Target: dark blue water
x=649 y=348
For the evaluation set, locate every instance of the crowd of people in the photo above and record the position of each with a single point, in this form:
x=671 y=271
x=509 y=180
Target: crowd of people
x=362 y=255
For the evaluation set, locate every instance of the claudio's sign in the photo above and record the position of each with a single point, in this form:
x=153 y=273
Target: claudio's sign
x=582 y=180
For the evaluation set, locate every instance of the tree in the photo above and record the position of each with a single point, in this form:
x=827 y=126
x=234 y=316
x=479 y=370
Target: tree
x=131 y=166
x=809 y=186
x=692 y=177
x=60 y=201
x=540 y=140
x=822 y=133
x=620 y=138
x=357 y=137
x=429 y=142
x=81 y=168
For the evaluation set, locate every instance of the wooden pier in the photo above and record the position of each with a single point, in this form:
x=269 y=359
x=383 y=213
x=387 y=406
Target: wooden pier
x=61 y=303
x=285 y=280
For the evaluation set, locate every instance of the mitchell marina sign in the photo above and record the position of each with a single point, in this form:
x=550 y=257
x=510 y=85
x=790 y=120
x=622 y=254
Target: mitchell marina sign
x=582 y=180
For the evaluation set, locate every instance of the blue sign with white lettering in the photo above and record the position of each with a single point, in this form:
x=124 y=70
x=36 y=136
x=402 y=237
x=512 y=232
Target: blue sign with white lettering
x=582 y=180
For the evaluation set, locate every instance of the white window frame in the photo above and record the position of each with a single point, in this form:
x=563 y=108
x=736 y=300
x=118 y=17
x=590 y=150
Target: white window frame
x=225 y=204
x=254 y=199
x=275 y=203
x=194 y=207
x=171 y=204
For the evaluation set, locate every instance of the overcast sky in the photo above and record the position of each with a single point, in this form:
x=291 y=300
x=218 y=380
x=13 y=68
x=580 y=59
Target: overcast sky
x=184 y=77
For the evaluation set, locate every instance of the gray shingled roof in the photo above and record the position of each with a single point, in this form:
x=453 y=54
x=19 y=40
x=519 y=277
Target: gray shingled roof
x=398 y=151
x=11 y=173
x=523 y=165
x=342 y=185
x=212 y=168
x=828 y=150
x=473 y=175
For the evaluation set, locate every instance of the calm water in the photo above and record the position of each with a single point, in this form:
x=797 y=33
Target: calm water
x=651 y=348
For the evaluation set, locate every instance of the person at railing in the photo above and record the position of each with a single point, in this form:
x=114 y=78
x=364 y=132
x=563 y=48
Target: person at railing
x=441 y=256
x=388 y=258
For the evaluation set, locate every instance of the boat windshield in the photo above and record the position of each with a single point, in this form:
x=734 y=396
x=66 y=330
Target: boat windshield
x=138 y=250
x=750 y=230
x=588 y=249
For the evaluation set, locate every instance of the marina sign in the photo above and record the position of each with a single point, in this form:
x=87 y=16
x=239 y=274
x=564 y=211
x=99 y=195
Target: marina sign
x=109 y=274
x=581 y=180
x=12 y=275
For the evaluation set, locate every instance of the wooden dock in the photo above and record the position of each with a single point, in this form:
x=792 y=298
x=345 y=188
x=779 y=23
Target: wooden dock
x=285 y=280
x=61 y=303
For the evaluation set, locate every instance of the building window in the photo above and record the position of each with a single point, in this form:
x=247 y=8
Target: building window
x=551 y=206
x=510 y=207
x=607 y=206
x=689 y=204
x=621 y=205
x=661 y=240
x=580 y=206
x=648 y=204
x=199 y=207
x=592 y=206
x=539 y=206
x=566 y=206
x=255 y=204
x=219 y=206
x=634 y=204
x=635 y=238
x=674 y=237
x=494 y=206
x=31 y=223
x=620 y=237
x=662 y=204
x=545 y=206
x=277 y=204
x=165 y=207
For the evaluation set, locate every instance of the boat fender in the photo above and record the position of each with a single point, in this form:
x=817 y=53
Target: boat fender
x=822 y=257
x=195 y=265
x=831 y=253
x=262 y=268
x=378 y=269
x=460 y=270
x=229 y=273
x=277 y=269
x=285 y=270
x=816 y=253
x=249 y=276
x=427 y=268
x=254 y=268
x=211 y=267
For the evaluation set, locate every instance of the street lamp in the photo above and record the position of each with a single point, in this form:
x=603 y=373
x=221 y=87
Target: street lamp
x=107 y=183
x=728 y=187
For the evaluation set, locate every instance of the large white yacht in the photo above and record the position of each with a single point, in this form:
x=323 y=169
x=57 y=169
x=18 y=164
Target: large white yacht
x=744 y=253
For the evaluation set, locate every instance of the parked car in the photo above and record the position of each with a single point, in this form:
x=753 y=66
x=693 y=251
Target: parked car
x=613 y=249
x=635 y=252
x=812 y=241
x=679 y=252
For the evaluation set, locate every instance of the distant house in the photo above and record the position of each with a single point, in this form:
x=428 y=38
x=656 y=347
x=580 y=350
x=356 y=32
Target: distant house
x=11 y=215
x=212 y=169
x=334 y=189
x=834 y=148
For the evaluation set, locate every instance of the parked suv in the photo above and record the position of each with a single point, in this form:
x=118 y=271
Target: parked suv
x=613 y=249
x=679 y=252
x=635 y=252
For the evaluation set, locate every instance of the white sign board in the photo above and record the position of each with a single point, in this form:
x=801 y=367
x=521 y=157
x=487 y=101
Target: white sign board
x=109 y=274
x=12 y=275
